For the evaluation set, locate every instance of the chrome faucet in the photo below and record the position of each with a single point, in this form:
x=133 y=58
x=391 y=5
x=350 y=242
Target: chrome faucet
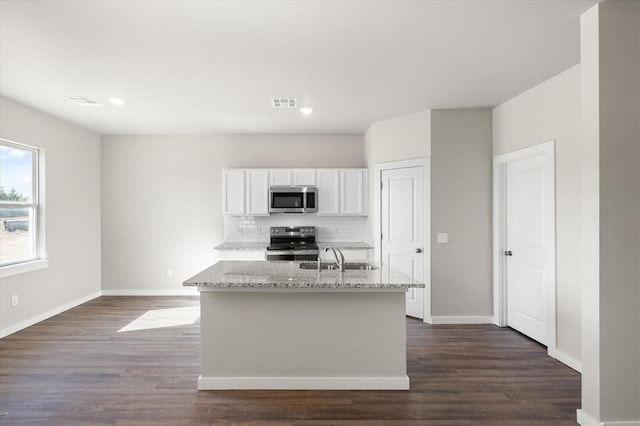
x=339 y=260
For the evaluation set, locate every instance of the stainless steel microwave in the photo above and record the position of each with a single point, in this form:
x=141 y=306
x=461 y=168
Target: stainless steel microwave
x=293 y=199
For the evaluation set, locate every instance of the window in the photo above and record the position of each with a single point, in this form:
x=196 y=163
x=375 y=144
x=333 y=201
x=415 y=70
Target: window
x=20 y=234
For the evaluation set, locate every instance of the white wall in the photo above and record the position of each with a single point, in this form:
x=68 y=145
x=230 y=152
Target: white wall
x=162 y=198
x=72 y=217
x=551 y=111
x=461 y=187
x=459 y=144
x=610 y=50
x=328 y=228
x=400 y=138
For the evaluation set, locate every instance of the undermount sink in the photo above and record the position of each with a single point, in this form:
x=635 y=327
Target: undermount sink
x=353 y=266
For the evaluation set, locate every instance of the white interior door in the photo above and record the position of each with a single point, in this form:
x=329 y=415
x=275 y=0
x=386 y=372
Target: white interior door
x=402 y=203
x=527 y=246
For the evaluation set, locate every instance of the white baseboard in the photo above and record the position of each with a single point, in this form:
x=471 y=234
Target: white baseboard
x=177 y=292
x=567 y=360
x=585 y=419
x=55 y=311
x=302 y=383
x=462 y=320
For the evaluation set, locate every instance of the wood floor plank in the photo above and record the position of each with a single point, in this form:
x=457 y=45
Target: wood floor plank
x=79 y=367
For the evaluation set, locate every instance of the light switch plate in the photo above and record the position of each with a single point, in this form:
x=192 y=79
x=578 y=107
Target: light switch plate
x=442 y=238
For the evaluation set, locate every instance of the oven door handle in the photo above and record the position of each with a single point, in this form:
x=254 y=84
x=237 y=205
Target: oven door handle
x=292 y=252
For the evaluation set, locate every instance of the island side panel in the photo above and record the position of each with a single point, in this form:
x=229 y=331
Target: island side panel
x=303 y=340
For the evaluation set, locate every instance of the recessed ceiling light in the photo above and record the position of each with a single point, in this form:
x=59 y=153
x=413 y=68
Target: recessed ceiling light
x=306 y=110
x=84 y=101
x=117 y=101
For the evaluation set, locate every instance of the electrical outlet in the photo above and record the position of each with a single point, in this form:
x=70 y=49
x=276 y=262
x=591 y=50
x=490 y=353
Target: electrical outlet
x=169 y=273
x=14 y=300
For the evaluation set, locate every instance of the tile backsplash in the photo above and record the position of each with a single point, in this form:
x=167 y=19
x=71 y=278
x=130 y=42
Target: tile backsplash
x=328 y=228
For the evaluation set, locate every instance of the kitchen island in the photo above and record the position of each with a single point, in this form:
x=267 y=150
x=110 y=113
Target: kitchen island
x=274 y=325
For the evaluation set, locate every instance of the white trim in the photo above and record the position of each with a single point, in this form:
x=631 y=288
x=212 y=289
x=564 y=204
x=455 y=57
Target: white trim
x=585 y=419
x=39 y=212
x=55 y=311
x=425 y=163
x=24 y=267
x=154 y=292
x=568 y=360
x=462 y=319
x=547 y=150
x=300 y=383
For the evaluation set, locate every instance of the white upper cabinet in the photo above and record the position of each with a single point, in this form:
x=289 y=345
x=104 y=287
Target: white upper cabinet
x=280 y=177
x=328 y=192
x=354 y=189
x=257 y=192
x=304 y=177
x=298 y=177
x=245 y=192
x=233 y=192
x=341 y=192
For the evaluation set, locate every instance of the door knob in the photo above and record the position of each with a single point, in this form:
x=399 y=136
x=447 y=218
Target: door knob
x=508 y=253
x=418 y=250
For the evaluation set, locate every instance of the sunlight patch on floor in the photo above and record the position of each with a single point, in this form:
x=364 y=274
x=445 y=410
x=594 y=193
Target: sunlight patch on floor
x=160 y=318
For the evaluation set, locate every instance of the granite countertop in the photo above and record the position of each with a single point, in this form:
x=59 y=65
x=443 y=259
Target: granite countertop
x=260 y=274
x=350 y=245
x=258 y=245
x=262 y=245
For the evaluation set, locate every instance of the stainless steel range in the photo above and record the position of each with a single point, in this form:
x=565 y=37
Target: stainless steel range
x=293 y=243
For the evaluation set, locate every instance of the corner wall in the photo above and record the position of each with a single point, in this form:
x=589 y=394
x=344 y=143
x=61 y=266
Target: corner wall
x=459 y=144
x=396 y=139
x=551 y=111
x=162 y=199
x=610 y=50
x=461 y=187
x=72 y=178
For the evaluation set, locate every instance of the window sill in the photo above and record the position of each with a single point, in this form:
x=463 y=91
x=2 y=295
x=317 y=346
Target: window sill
x=21 y=268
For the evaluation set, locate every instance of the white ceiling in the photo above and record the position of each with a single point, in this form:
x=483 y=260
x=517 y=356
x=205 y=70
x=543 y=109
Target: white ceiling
x=196 y=67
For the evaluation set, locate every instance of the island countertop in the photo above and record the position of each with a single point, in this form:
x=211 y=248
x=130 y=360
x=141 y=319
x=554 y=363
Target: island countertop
x=260 y=274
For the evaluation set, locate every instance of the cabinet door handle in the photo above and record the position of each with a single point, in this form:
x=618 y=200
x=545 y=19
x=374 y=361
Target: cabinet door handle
x=508 y=253
x=418 y=250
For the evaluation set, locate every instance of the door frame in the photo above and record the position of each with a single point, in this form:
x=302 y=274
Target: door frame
x=500 y=300
x=425 y=163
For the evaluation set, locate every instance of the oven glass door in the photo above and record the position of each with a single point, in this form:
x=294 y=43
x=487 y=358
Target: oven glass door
x=291 y=255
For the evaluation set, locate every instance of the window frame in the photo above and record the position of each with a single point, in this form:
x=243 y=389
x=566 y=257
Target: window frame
x=36 y=205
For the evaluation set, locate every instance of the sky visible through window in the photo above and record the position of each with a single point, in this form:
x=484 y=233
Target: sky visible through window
x=17 y=225
x=16 y=170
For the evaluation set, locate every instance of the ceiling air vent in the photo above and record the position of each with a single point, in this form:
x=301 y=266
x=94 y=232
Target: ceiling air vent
x=284 y=102
x=84 y=101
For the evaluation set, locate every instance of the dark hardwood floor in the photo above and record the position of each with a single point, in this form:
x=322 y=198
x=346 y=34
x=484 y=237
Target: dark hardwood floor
x=77 y=369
